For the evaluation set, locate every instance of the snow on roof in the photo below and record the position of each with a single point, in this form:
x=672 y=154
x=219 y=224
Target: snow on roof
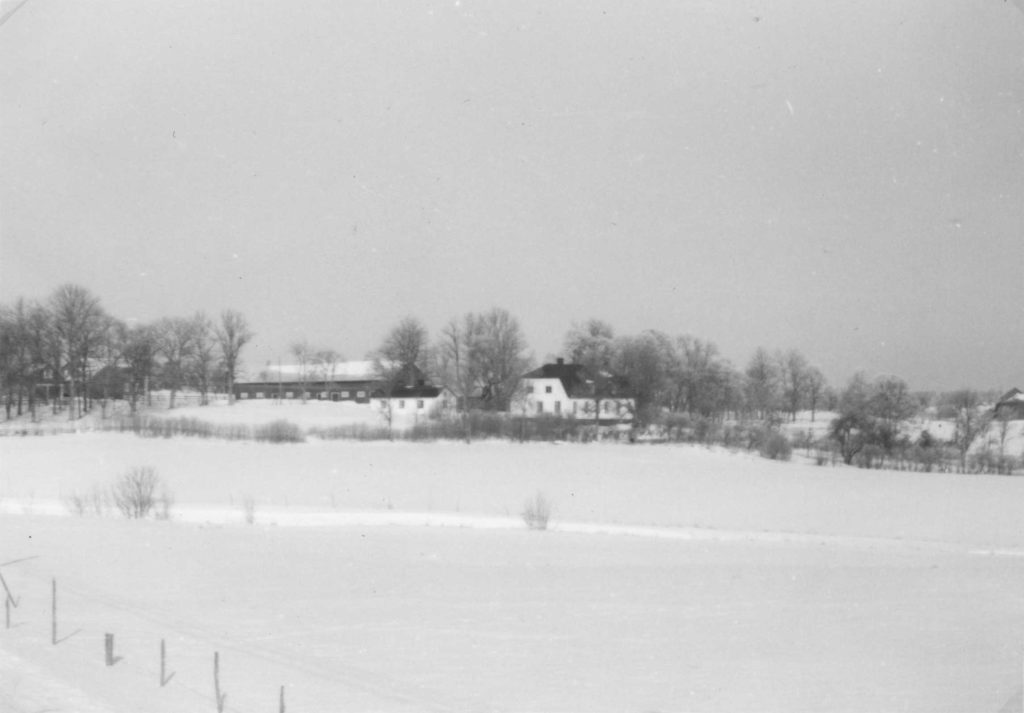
x=340 y=371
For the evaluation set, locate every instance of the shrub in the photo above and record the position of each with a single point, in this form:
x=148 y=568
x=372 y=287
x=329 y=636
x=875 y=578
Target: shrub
x=249 y=510
x=163 y=505
x=134 y=492
x=279 y=432
x=96 y=501
x=75 y=503
x=775 y=446
x=537 y=512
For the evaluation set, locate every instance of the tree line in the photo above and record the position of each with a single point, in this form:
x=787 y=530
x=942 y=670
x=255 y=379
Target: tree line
x=682 y=383
x=684 y=386
x=481 y=357
x=70 y=339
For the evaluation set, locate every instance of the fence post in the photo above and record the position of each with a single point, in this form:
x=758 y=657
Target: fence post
x=164 y=678
x=221 y=697
x=108 y=649
x=280 y=707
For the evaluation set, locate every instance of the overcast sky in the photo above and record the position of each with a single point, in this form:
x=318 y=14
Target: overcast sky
x=845 y=178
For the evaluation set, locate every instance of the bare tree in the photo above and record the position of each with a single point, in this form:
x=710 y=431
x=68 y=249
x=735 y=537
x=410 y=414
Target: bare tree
x=853 y=428
x=20 y=361
x=327 y=361
x=139 y=353
x=111 y=355
x=458 y=365
x=702 y=381
x=793 y=370
x=499 y=351
x=305 y=356
x=403 y=354
x=763 y=393
x=1003 y=416
x=972 y=420
x=176 y=340
x=39 y=336
x=134 y=493
x=8 y=360
x=892 y=402
x=816 y=386
x=203 y=359
x=232 y=336
x=77 y=322
x=646 y=362
x=592 y=345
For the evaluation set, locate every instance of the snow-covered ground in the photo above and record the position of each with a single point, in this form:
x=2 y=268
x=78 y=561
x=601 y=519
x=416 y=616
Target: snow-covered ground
x=399 y=577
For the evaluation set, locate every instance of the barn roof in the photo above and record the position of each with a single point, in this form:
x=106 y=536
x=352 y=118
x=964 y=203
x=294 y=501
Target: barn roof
x=342 y=371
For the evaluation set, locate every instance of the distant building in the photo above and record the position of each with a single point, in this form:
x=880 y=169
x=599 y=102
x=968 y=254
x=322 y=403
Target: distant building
x=564 y=390
x=347 y=381
x=419 y=401
x=343 y=381
x=1011 y=404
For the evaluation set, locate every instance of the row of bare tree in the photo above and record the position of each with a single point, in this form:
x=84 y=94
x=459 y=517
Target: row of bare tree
x=481 y=357
x=68 y=350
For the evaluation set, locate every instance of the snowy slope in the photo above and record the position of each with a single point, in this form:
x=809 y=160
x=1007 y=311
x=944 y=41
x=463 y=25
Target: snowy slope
x=678 y=579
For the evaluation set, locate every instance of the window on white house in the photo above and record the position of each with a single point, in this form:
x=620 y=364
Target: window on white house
x=547 y=389
x=558 y=407
x=401 y=403
x=419 y=403
x=540 y=407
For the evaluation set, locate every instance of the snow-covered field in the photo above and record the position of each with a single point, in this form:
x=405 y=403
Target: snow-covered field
x=399 y=577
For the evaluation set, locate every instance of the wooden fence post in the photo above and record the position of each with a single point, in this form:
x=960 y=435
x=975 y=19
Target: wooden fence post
x=221 y=697
x=164 y=678
x=280 y=707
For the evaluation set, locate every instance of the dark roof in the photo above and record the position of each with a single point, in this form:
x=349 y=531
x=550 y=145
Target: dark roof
x=318 y=384
x=1014 y=394
x=571 y=376
x=422 y=391
x=1012 y=402
x=576 y=383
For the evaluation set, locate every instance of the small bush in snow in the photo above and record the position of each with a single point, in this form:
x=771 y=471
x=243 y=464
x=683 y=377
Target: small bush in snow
x=775 y=446
x=134 y=493
x=75 y=503
x=537 y=512
x=163 y=505
x=249 y=510
x=95 y=502
x=279 y=432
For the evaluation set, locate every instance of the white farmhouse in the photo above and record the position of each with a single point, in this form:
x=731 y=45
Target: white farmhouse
x=562 y=389
x=415 y=403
